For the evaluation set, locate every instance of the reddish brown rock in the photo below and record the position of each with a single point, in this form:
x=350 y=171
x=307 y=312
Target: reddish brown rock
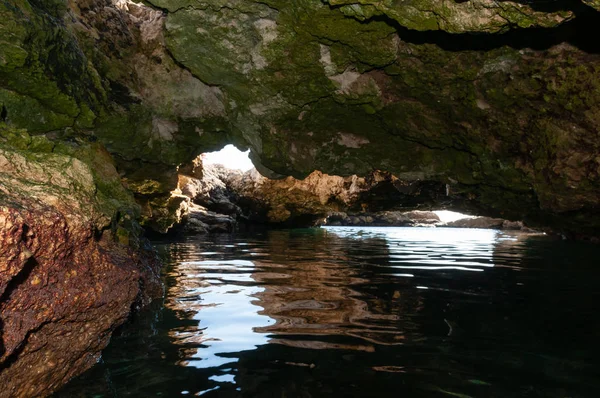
x=65 y=281
x=63 y=293
x=315 y=200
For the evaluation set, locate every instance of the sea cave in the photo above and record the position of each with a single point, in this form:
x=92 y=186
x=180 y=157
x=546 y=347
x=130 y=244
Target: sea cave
x=308 y=198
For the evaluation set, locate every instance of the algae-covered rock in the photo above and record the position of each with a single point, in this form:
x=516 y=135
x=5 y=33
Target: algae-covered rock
x=43 y=72
x=508 y=121
x=454 y=17
x=592 y=3
x=74 y=174
x=511 y=130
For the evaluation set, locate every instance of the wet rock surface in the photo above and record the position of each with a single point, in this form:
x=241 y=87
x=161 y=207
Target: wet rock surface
x=70 y=269
x=385 y=218
x=63 y=294
x=488 y=223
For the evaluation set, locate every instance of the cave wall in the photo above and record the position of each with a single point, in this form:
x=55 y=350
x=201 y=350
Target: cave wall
x=498 y=100
x=509 y=121
x=72 y=264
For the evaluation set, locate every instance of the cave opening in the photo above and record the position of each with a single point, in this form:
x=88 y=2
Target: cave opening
x=230 y=157
x=226 y=193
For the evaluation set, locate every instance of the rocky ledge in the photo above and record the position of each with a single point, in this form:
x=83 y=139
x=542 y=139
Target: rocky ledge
x=69 y=272
x=214 y=198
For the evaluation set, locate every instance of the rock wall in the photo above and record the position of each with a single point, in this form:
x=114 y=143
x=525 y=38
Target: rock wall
x=496 y=100
x=71 y=265
x=294 y=201
x=218 y=192
x=320 y=199
x=507 y=120
x=218 y=199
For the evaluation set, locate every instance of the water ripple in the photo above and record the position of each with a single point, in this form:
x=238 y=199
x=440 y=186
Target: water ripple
x=345 y=312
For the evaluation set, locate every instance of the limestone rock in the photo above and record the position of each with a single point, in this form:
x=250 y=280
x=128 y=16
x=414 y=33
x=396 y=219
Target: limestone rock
x=251 y=198
x=67 y=279
x=384 y=218
x=455 y=17
x=199 y=220
x=288 y=200
x=224 y=198
x=201 y=203
x=507 y=122
x=488 y=223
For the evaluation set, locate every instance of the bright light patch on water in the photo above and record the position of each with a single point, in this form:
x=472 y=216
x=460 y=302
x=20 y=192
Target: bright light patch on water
x=449 y=216
x=227 y=291
x=431 y=249
x=227 y=378
x=230 y=157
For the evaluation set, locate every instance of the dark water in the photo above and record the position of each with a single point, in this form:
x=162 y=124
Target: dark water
x=363 y=312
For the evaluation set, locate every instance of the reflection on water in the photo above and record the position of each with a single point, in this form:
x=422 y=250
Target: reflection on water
x=433 y=249
x=218 y=295
x=360 y=312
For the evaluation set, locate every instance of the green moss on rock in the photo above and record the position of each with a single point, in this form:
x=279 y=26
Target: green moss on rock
x=333 y=85
x=44 y=75
x=28 y=113
x=86 y=173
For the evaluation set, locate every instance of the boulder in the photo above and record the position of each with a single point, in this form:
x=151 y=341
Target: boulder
x=72 y=263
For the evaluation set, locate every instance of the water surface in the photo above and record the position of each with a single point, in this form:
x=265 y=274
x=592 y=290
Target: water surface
x=363 y=312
